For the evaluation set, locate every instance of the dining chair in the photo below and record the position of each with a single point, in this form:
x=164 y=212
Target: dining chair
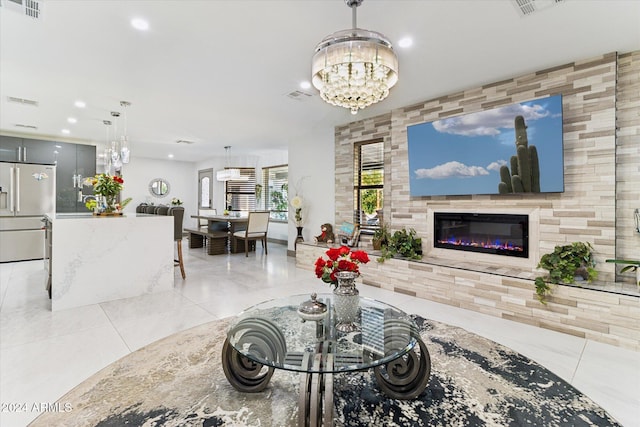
x=178 y=216
x=257 y=226
x=203 y=222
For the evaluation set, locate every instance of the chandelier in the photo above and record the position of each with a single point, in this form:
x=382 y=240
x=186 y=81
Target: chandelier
x=228 y=174
x=354 y=68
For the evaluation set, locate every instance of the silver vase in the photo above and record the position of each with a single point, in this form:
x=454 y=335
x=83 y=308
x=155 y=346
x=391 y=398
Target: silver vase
x=346 y=301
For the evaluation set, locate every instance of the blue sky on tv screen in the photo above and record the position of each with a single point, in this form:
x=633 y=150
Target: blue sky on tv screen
x=463 y=154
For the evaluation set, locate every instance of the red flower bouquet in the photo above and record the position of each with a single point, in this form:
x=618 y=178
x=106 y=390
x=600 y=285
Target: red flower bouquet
x=339 y=259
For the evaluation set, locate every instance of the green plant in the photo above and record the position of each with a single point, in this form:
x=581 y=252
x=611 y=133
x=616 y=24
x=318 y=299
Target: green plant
x=564 y=264
x=381 y=237
x=403 y=243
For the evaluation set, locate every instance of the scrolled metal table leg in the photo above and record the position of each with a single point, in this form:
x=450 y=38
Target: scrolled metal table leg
x=407 y=376
x=315 y=405
x=261 y=338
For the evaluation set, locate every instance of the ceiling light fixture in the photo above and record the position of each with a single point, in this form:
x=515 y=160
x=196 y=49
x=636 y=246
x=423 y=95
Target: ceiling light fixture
x=354 y=68
x=124 y=143
x=228 y=173
x=140 y=24
x=80 y=104
x=72 y=120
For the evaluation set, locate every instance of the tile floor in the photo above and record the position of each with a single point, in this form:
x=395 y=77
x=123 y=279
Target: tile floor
x=44 y=354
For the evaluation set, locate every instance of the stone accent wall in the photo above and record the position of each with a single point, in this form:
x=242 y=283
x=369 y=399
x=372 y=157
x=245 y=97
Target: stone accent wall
x=628 y=158
x=602 y=179
x=585 y=313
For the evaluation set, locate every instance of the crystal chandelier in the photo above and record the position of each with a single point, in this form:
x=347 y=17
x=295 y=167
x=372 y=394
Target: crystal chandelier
x=354 y=68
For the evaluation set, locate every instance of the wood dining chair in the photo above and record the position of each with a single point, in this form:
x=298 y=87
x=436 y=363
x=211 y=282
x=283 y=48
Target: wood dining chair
x=257 y=226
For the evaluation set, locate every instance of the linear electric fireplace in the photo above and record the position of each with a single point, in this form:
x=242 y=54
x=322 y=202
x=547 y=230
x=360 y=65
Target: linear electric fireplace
x=499 y=234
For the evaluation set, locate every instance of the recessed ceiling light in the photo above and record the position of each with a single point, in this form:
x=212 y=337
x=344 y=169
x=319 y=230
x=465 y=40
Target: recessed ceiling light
x=80 y=104
x=72 y=120
x=170 y=156
x=140 y=24
x=405 y=42
x=66 y=131
x=305 y=85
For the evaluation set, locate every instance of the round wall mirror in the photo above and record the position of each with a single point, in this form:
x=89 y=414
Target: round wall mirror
x=159 y=187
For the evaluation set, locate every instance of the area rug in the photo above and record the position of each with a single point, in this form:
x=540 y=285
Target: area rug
x=179 y=381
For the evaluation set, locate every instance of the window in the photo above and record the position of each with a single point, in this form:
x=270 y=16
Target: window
x=205 y=189
x=276 y=191
x=240 y=195
x=368 y=184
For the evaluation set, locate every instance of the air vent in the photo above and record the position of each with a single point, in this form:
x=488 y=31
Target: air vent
x=529 y=7
x=184 y=141
x=22 y=101
x=20 y=125
x=29 y=8
x=299 y=95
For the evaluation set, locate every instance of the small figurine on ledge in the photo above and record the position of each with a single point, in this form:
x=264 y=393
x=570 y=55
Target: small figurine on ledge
x=326 y=236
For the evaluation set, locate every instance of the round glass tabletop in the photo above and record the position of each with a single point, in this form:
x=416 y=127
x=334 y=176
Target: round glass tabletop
x=274 y=334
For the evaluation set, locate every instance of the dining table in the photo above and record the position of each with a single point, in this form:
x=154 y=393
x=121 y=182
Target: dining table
x=234 y=223
x=231 y=223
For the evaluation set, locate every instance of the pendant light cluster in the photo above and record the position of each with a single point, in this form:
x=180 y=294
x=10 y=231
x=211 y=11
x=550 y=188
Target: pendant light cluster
x=354 y=68
x=117 y=152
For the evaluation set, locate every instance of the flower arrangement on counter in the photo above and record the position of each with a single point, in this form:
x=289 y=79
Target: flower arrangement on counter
x=176 y=202
x=107 y=186
x=339 y=259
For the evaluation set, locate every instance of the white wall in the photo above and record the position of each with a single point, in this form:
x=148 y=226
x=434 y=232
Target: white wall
x=311 y=168
x=311 y=171
x=259 y=160
x=181 y=176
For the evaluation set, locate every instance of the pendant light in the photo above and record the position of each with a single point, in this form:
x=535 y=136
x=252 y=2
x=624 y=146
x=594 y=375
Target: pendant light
x=228 y=173
x=124 y=143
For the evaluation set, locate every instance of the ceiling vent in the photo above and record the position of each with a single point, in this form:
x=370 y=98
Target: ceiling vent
x=529 y=7
x=29 y=8
x=299 y=95
x=22 y=101
x=184 y=141
x=20 y=125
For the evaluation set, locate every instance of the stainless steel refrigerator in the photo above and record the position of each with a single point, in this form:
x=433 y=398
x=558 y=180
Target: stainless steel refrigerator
x=27 y=192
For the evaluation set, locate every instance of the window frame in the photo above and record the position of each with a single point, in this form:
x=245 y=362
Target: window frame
x=358 y=186
x=248 y=193
x=280 y=215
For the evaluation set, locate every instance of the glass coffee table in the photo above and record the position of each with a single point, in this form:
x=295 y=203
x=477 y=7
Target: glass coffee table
x=272 y=335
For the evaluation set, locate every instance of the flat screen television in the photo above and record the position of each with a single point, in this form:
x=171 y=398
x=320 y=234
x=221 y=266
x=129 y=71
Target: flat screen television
x=512 y=149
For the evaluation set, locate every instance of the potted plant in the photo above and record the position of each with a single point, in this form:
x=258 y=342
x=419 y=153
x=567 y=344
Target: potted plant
x=402 y=243
x=381 y=237
x=564 y=264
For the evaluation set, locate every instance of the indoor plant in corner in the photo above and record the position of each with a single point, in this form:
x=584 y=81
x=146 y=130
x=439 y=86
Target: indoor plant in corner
x=564 y=264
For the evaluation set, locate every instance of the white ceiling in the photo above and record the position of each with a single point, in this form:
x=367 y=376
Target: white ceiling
x=218 y=72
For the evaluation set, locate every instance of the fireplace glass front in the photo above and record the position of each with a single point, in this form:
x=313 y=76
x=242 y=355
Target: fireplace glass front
x=499 y=234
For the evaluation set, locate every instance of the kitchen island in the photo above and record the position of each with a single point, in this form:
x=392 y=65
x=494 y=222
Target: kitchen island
x=94 y=259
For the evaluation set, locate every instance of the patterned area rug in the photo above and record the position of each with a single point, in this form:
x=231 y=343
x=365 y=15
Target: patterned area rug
x=179 y=381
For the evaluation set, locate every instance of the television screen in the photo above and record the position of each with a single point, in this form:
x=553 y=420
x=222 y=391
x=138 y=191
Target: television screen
x=512 y=149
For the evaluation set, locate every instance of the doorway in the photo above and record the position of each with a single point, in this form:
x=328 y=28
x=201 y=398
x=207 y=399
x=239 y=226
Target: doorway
x=205 y=189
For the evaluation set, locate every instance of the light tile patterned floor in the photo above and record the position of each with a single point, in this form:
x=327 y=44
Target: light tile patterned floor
x=45 y=354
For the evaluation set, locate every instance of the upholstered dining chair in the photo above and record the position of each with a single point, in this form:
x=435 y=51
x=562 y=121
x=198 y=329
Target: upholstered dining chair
x=178 y=216
x=203 y=222
x=257 y=226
